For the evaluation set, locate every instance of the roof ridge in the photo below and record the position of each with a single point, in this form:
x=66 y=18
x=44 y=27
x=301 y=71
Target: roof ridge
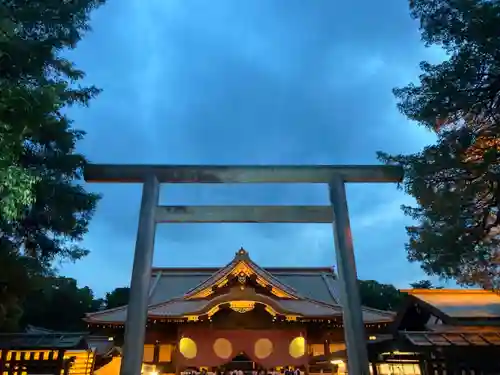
x=274 y=278
x=387 y=312
x=267 y=268
x=220 y=271
x=106 y=311
x=242 y=256
x=172 y=300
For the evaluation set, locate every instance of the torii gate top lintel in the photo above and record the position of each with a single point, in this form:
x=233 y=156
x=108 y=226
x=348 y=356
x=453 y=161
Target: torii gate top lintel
x=137 y=173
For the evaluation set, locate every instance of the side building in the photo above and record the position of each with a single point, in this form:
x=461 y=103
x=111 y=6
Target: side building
x=242 y=316
x=442 y=332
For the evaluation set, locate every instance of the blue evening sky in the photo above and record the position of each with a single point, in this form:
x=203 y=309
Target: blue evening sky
x=248 y=82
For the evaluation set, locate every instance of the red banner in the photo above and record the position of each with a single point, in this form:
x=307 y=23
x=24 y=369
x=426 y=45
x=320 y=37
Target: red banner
x=269 y=348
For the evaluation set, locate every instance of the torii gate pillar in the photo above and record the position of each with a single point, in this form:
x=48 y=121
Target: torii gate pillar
x=151 y=176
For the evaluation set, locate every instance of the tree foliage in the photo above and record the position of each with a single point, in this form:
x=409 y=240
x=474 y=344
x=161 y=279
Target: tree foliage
x=456 y=180
x=44 y=213
x=59 y=304
x=379 y=296
x=116 y=298
x=424 y=284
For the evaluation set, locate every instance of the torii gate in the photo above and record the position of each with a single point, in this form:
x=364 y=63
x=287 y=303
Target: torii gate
x=151 y=176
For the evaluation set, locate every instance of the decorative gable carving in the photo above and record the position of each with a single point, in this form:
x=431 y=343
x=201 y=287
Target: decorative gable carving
x=242 y=268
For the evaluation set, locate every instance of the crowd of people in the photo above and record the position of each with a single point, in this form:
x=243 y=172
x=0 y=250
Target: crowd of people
x=283 y=371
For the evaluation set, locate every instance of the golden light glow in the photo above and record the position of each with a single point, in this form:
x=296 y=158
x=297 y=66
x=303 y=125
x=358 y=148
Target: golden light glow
x=280 y=293
x=223 y=282
x=83 y=361
x=213 y=310
x=165 y=354
x=188 y=348
x=148 y=369
x=82 y=365
x=263 y=348
x=291 y=318
x=242 y=306
x=271 y=311
x=203 y=293
x=261 y=282
x=337 y=362
x=192 y=318
x=297 y=347
x=148 y=353
x=240 y=268
x=372 y=338
x=223 y=348
x=39 y=354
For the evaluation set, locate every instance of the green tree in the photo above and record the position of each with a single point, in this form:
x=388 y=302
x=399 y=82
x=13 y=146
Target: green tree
x=424 y=284
x=59 y=304
x=379 y=296
x=118 y=297
x=456 y=180
x=44 y=213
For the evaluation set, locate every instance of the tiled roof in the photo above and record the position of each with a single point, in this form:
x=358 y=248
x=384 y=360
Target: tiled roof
x=316 y=289
x=178 y=308
x=42 y=340
x=316 y=283
x=460 y=304
x=101 y=344
x=454 y=338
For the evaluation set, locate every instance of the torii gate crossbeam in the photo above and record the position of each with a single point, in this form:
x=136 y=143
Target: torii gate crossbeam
x=151 y=176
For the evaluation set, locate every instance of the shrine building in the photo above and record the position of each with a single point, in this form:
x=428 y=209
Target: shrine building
x=242 y=316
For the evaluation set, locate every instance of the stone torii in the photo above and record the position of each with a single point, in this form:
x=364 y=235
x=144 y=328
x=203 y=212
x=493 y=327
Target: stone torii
x=151 y=176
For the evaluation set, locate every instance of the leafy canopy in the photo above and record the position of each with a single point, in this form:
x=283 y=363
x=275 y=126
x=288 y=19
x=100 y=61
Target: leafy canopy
x=456 y=180
x=44 y=213
x=116 y=298
x=379 y=296
x=59 y=304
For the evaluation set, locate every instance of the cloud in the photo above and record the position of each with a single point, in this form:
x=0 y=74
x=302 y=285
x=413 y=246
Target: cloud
x=248 y=82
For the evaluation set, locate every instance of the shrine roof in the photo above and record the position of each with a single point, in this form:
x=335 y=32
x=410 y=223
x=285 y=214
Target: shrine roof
x=303 y=292
x=318 y=283
x=460 y=303
x=178 y=308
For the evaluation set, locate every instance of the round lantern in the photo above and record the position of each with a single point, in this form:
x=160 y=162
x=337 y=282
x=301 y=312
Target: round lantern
x=263 y=348
x=297 y=347
x=188 y=348
x=223 y=348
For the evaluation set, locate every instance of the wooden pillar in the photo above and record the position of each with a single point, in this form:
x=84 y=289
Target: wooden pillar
x=156 y=354
x=326 y=347
x=374 y=368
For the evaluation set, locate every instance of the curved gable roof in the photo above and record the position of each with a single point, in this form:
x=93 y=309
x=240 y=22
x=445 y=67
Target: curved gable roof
x=302 y=291
x=242 y=264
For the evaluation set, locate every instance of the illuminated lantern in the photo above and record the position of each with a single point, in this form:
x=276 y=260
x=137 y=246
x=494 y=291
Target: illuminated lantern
x=188 y=348
x=297 y=347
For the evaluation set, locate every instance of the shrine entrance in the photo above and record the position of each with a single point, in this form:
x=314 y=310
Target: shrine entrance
x=241 y=362
x=151 y=214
